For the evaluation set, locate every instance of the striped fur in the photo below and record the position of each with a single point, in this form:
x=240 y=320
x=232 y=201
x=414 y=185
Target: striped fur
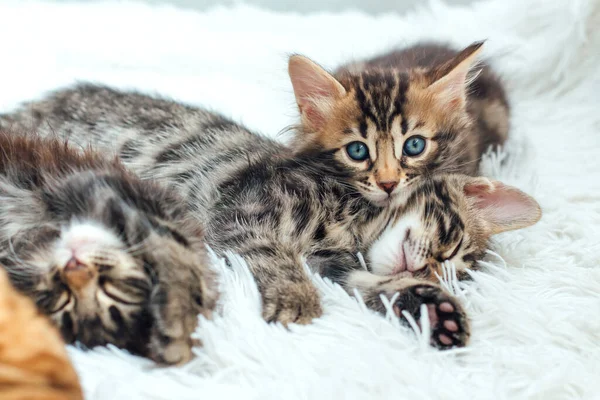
x=259 y=199
x=108 y=257
x=428 y=92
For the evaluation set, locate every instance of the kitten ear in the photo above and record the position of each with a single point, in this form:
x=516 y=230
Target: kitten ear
x=315 y=90
x=502 y=207
x=449 y=81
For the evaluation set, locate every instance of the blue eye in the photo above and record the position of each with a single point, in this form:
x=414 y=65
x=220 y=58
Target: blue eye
x=357 y=151
x=414 y=146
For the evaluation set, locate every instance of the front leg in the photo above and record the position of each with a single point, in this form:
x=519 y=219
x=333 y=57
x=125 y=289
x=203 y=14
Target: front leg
x=177 y=299
x=288 y=294
x=448 y=320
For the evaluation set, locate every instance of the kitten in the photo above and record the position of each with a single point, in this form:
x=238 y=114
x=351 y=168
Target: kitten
x=33 y=360
x=400 y=116
x=109 y=258
x=274 y=207
x=445 y=218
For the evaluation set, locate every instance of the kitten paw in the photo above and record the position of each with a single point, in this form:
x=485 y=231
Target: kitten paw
x=175 y=318
x=171 y=351
x=291 y=303
x=448 y=321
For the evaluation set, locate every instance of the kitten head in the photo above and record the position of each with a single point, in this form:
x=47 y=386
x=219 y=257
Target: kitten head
x=97 y=264
x=388 y=126
x=449 y=218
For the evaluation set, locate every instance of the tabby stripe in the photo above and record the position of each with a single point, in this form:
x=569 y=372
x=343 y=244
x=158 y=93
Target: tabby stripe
x=130 y=150
x=364 y=104
x=259 y=251
x=302 y=215
x=176 y=151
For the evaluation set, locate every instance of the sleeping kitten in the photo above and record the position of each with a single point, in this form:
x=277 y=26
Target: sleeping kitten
x=274 y=207
x=400 y=116
x=34 y=363
x=445 y=218
x=109 y=258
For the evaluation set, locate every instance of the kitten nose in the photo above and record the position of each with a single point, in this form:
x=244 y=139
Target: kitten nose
x=76 y=273
x=388 y=186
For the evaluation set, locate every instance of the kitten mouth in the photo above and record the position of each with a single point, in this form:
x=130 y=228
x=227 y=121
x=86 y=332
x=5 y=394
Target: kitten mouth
x=385 y=202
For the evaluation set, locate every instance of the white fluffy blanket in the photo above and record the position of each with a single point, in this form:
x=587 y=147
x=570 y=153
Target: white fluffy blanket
x=535 y=306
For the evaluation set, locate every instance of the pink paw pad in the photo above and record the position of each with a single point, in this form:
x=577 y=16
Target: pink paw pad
x=449 y=327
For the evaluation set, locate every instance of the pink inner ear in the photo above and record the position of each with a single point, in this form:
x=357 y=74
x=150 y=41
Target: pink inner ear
x=310 y=81
x=476 y=189
x=313 y=87
x=504 y=207
x=313 y=115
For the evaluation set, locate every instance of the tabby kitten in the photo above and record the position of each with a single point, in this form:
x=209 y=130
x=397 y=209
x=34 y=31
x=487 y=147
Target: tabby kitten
x=109 y=258
x=34 y=363
x=274 y=207
x=395 y=118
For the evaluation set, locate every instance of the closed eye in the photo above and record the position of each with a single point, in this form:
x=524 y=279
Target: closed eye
x=456 y=249
x=119 y=295
x=63 y=300
x=454 y=252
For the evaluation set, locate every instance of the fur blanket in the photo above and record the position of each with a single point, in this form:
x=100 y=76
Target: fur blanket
x=535 y=306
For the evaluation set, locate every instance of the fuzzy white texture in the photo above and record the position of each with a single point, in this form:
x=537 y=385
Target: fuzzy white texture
x=535 y=306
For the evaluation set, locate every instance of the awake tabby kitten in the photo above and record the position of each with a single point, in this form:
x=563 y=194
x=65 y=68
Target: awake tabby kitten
x=274 y=207
x=400 y=116
x=109 y=258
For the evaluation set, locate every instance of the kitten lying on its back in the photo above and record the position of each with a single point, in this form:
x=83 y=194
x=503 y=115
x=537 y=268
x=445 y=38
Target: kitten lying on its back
x=398 y=117
x=110 y=258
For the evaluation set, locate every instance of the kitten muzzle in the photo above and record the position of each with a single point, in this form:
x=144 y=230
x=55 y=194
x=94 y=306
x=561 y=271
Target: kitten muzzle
x=77 y=274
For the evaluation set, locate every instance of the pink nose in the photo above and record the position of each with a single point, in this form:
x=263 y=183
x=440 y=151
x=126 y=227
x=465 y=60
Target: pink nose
x=387 y=186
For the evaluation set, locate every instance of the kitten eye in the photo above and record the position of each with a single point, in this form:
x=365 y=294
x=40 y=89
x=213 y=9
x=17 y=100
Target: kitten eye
x=358 y=151
x=456 y=249
x=63 y=300
x=414 y=146
x=441 y=258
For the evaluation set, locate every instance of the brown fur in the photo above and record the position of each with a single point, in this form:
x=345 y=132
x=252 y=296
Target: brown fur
x=56 y=157
x=455 y=104
x=33 y=360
